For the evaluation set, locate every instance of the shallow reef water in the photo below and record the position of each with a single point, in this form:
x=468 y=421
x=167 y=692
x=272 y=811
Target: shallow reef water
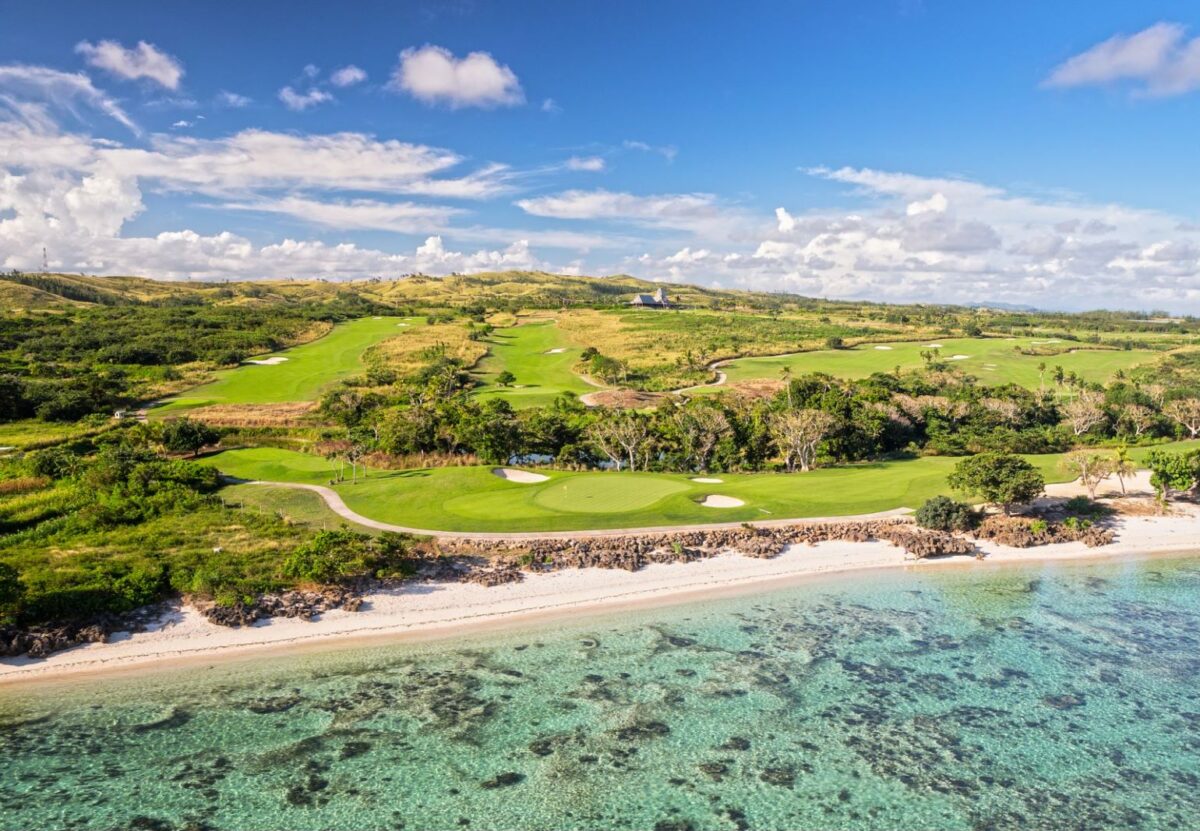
x=1051 y=696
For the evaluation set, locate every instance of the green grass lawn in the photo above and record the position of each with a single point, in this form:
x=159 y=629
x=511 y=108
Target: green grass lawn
x=473 y=499
x=309 y=370
x=525 y=351
x=993 y=361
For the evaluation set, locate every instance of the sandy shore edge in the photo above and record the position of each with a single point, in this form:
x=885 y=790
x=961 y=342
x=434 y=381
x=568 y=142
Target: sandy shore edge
x=422 y=611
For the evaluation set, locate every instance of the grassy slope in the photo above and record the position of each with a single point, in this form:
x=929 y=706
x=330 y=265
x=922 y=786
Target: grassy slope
x=472 y=499
x=541 y=377
x=301 y=508
x=992 y=360
x=309 y=370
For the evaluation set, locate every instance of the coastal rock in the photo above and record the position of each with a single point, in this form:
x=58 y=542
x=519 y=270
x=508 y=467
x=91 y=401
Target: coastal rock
x=491 y=562
x=304 y=605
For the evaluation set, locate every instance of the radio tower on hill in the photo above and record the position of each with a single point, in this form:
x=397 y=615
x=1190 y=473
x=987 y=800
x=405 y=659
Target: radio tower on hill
x=45 y=261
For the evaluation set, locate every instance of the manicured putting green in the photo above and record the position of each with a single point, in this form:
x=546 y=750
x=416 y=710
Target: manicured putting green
x=606 y=494
x=473 y=499
x=539 y=358
x=306 y=372
x=993 y=361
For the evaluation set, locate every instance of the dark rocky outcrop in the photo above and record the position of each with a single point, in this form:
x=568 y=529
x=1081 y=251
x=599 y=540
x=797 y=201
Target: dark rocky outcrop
x=41 y=640
x=299 y=604
x=1026 y=532
x=500 y=558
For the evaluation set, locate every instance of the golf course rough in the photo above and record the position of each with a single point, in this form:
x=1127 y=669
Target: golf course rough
x=301 y=373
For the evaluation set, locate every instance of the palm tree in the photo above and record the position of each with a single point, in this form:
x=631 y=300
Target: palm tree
x=785 y=373
x=1123 y=466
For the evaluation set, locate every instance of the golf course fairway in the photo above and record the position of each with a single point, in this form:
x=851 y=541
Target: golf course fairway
x=537 y=355
x=473 y=499
x=306 y=371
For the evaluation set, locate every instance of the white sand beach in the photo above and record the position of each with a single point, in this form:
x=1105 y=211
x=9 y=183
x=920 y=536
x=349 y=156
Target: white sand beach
x=437 y=610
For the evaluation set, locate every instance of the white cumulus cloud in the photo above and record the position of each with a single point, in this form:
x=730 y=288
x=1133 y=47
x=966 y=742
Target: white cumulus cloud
x=434 y=75
x=142 y=61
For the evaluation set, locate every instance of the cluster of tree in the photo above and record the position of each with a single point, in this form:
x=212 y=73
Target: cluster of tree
x=1174 y=473
x=813 y=419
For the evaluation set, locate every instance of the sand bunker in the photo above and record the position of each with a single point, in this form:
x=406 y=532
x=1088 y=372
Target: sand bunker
x=884 y=348
x=715 y=500
x=958 y=357
x=401 y=324
x=707 y=480
x=265 y=361
x=7 y=448
x=933 y=346
x=556 y=351
x=522 y=476
x=1041 y=342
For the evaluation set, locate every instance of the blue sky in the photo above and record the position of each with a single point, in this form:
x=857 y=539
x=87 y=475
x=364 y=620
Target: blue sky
x=906 y=150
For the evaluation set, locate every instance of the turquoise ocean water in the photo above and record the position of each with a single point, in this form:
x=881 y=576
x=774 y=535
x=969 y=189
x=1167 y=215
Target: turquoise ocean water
x=1036 y=697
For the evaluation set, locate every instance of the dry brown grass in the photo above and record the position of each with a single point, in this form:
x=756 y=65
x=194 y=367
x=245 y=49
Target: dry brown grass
x=756 y=389
x=25 y=484
x=292 y=414
x=408 y=352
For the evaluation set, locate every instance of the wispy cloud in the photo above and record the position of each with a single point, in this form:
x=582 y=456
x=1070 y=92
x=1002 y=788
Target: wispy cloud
x=591 y=164
x=348 y=76
x=67 y=91
x=301 y=101
x=1159 y=61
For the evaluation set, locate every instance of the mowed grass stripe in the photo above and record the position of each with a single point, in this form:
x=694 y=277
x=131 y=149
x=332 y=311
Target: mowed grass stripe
x=994 y=361
x=525 y=351
x=473 y=499
x=310 y=369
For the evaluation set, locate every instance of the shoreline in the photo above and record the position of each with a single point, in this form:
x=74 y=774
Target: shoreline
x=435 y=611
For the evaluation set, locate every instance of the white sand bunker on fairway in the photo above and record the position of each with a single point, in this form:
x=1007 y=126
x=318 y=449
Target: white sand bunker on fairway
x=522 y=476
x=1041 y=342
x=401 y=324
x=958 y=357
x=707 y=480
x=933 y=346
x=556 y=351
x=715 y=500
x=265 y=361
x=884 y=348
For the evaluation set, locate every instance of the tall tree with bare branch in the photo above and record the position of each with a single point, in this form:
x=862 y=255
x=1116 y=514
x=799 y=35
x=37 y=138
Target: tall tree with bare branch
x=1185 y=411
x=1137 y=418
x=622 y=436
x=798 y=433
x=1084 y=412
x=1089 y=467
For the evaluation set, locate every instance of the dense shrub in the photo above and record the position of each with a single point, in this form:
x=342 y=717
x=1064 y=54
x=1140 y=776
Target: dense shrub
x=941 y=513
x=337 y=556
